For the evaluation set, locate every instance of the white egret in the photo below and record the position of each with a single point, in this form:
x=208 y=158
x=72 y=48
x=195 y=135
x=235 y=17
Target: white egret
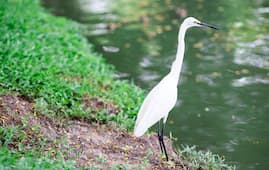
x=162 y=98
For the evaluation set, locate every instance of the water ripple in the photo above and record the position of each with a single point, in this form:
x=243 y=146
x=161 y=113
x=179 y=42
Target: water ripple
x=250 y=80
x=253 y=53
x=94 y=6
x=261 y=12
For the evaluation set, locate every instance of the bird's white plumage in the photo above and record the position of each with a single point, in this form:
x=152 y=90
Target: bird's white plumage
x=162 y=98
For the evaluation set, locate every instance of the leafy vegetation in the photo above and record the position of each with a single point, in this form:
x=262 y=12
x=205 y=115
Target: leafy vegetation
x=204 y=160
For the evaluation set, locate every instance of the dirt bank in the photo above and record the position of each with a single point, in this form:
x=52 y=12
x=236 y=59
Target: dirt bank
x=88 y=143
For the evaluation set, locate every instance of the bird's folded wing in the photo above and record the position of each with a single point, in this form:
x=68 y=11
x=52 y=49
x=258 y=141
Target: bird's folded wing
x=156 y=106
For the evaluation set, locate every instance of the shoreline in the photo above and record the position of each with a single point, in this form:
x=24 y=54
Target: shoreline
x=52 y=82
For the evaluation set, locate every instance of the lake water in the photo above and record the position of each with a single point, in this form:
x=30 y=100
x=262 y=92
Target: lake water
x=223 y=101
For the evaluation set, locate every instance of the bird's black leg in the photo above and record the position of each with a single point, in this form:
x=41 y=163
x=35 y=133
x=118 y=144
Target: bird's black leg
x=160 y=135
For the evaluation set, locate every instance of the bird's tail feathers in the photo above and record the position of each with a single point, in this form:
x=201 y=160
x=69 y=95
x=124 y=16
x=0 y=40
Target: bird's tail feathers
x=139 y=131
x=144 y=124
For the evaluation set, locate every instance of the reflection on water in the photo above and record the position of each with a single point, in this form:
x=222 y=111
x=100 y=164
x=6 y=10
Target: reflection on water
x=250 y=80
x=262 y=14
x=94 y=6
x=254 y=53
x=223 y=91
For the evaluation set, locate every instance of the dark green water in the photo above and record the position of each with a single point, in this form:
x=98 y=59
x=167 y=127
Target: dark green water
x=223 y=101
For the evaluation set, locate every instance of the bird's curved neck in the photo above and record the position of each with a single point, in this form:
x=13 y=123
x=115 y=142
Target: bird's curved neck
x=176 y=66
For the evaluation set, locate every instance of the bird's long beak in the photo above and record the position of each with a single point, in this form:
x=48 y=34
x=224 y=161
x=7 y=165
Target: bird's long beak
x=208 y=25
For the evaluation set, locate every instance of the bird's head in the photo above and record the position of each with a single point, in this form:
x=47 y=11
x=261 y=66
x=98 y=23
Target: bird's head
x=193 y=22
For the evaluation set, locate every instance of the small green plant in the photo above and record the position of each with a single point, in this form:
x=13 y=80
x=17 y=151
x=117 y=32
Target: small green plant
x=94 y=167
x=8 y=134
x=120 y=167
x=146 y=158
x=101 y=159
x=204 y=159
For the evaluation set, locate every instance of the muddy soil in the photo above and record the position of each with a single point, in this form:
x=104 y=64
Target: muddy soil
x=88 y=143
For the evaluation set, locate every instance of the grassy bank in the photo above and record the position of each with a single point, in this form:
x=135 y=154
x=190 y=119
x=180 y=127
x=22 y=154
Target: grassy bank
x=48 y=60
x=49 y=76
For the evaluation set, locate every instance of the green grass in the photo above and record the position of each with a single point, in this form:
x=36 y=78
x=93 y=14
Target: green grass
x=47 y=59
x=22 y=161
